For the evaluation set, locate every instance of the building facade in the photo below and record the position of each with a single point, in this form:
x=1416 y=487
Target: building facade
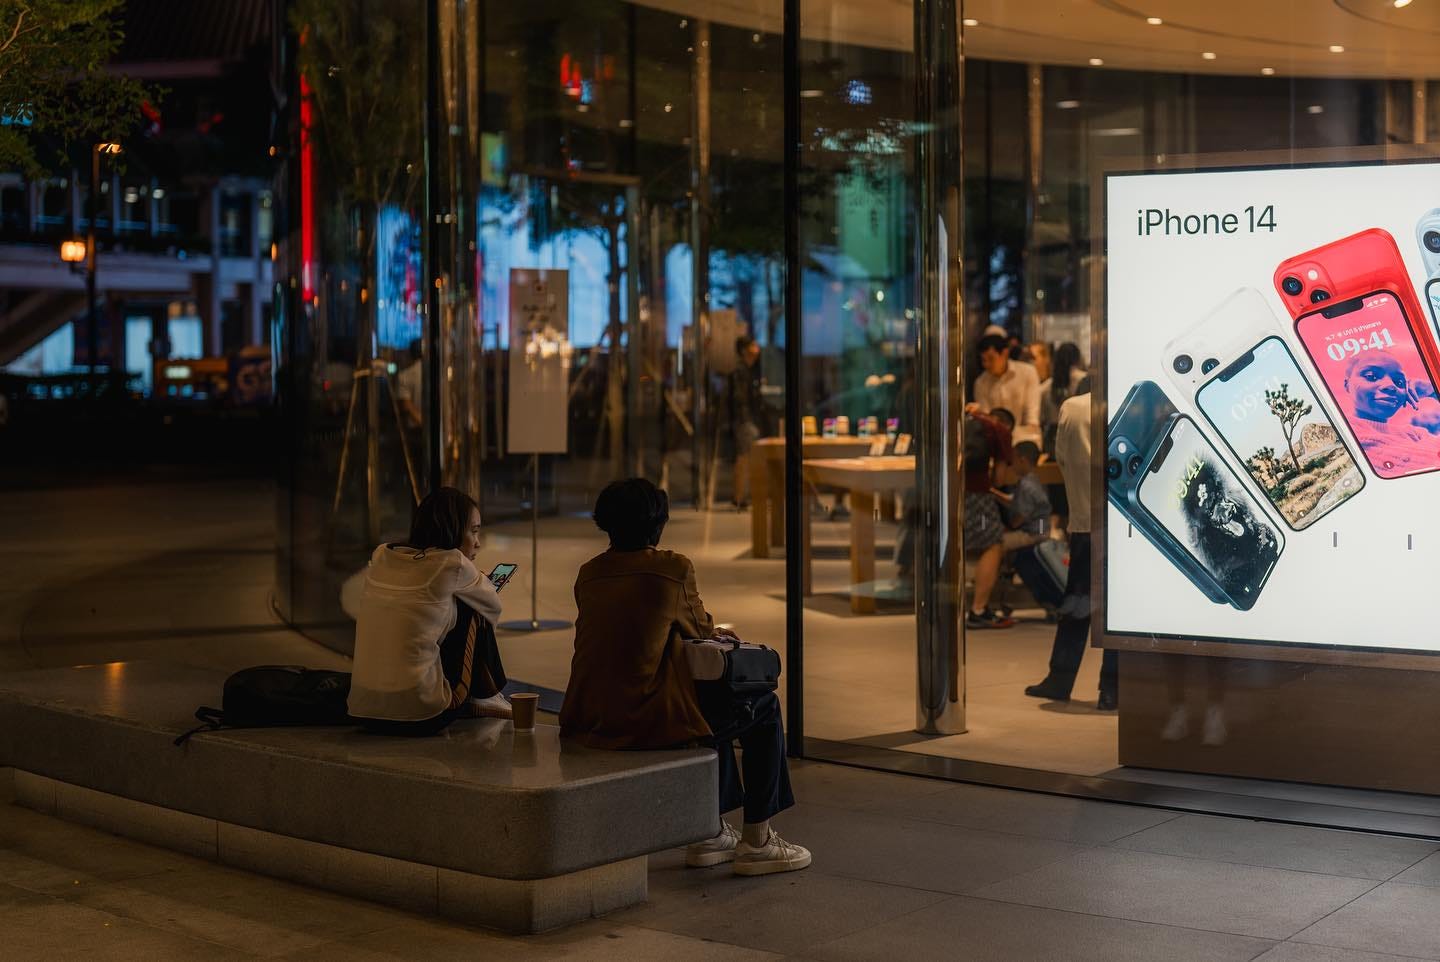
x=516 y=247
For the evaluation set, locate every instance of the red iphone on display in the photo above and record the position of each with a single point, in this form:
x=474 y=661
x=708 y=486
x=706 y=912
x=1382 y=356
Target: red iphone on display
x=1368 y=352
x=1353 y=266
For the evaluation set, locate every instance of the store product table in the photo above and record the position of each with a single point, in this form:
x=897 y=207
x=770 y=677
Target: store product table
x=767 y=483
x=864 y=479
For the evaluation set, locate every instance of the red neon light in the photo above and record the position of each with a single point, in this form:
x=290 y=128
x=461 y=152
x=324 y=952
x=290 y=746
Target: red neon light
x=307 y=192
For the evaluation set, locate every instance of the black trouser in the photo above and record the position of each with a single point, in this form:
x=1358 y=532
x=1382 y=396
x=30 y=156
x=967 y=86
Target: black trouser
x=482 y=677
x=1073 y=633
x=755 y=723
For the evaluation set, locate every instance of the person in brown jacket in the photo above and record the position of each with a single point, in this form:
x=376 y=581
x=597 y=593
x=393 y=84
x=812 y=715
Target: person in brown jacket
x=630 y=685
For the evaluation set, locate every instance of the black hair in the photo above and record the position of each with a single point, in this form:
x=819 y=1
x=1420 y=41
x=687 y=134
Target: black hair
x=440 y=519
x=1005 y=416
x=1083 y=387
x=743 y=342
x=633 y=513
x=1028 y=450
x=992 y=342
x=1062 y=366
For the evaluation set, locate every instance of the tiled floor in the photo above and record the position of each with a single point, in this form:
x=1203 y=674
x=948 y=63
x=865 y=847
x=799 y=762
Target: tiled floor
x=905 y=868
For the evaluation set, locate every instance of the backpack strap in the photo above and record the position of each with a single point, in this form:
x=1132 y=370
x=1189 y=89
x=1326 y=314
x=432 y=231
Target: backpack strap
x=211 y=719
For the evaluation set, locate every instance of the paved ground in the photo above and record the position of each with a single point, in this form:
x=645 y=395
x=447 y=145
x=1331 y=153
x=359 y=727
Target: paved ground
x=905 y=868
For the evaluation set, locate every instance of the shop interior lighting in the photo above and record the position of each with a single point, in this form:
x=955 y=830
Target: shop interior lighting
x=1154 y=21
x=1337 y=48
x=970 y=22
x=1067 y=104
x=811 y=93
x=1268 y=71
x=1096 y=62
x=1208 y=55
x=1401 y=4
x=1315 y=109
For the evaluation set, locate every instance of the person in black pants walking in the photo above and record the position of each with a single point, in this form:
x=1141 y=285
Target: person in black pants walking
x=1072 y=450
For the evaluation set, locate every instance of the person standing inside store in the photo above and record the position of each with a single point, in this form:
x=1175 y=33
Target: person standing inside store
x=1072 y=632
x=747 y=413
x=630 y=685
x=1066 y=373
x=1010 y=384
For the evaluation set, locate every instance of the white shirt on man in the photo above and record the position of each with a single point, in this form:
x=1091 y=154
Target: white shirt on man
x=1017 y=391
x=406 y=610
x=1072 y=452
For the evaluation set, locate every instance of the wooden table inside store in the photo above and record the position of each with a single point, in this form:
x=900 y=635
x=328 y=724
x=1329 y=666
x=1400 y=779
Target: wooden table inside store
x=767 y=483
x=863 y=479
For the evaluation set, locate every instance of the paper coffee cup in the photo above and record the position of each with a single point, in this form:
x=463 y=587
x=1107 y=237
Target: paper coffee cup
x=522 y=708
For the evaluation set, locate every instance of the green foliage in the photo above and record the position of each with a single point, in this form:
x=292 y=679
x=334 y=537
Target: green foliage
x=1265 y=461
x=1315 y=464
x=364 y=63
x=53 y=56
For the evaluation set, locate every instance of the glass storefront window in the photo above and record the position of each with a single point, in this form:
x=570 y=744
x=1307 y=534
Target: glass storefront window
x=563 y=259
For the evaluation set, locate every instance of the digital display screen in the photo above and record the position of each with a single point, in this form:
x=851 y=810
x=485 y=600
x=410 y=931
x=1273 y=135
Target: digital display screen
x=1191 y=493
x=1287 y=312
x=1369 y=361
x=1264 y=409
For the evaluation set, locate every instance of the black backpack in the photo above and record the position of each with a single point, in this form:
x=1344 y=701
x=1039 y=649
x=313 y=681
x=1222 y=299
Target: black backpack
x=270 y=695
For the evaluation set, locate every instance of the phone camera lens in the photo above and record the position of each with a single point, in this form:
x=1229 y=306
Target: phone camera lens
x=1432 y=241
x=1134 y=464
x=1208 y=365
x=1319 y=294
x=1183 y=363
x=1112 y=468
x=1292 y=285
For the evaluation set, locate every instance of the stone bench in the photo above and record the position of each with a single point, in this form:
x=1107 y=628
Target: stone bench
x=520 y=832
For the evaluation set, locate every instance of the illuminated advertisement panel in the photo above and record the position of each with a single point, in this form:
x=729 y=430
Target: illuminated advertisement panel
x=1272 y=448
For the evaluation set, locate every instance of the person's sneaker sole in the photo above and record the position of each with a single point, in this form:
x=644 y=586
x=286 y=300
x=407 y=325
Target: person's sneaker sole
x=772 y=866
x=708 y=859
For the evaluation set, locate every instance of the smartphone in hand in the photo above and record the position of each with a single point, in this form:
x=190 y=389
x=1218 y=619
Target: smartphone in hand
x=502 y=574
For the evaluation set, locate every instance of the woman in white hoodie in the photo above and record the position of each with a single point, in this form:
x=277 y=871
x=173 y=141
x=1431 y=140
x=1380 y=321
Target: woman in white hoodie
x=425 y=651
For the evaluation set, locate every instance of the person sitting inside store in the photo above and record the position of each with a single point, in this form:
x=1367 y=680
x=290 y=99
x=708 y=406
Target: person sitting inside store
x=631 y=688
x=1027 y=520
x=425 y=651
x=987 y=452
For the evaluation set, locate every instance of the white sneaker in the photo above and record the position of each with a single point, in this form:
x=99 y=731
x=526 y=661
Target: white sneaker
x=496 y=706
x=776 y=855
x=715 y=850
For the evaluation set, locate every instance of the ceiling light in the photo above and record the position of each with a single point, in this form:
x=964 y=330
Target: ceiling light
x=811 y=93
x=1067 y=104
x=1154 y=21
x=1268 y=71
x=1315 y=109
x=1208 y=55
x=1096 y=62
x=1337 y=48
x=970 y=22
x=1401 y=3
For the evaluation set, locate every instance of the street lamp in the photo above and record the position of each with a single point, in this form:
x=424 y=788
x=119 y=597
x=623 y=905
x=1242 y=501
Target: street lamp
x=92 y=250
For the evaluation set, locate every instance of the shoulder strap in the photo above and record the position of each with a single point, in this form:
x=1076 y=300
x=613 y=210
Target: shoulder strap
x=211 y=719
